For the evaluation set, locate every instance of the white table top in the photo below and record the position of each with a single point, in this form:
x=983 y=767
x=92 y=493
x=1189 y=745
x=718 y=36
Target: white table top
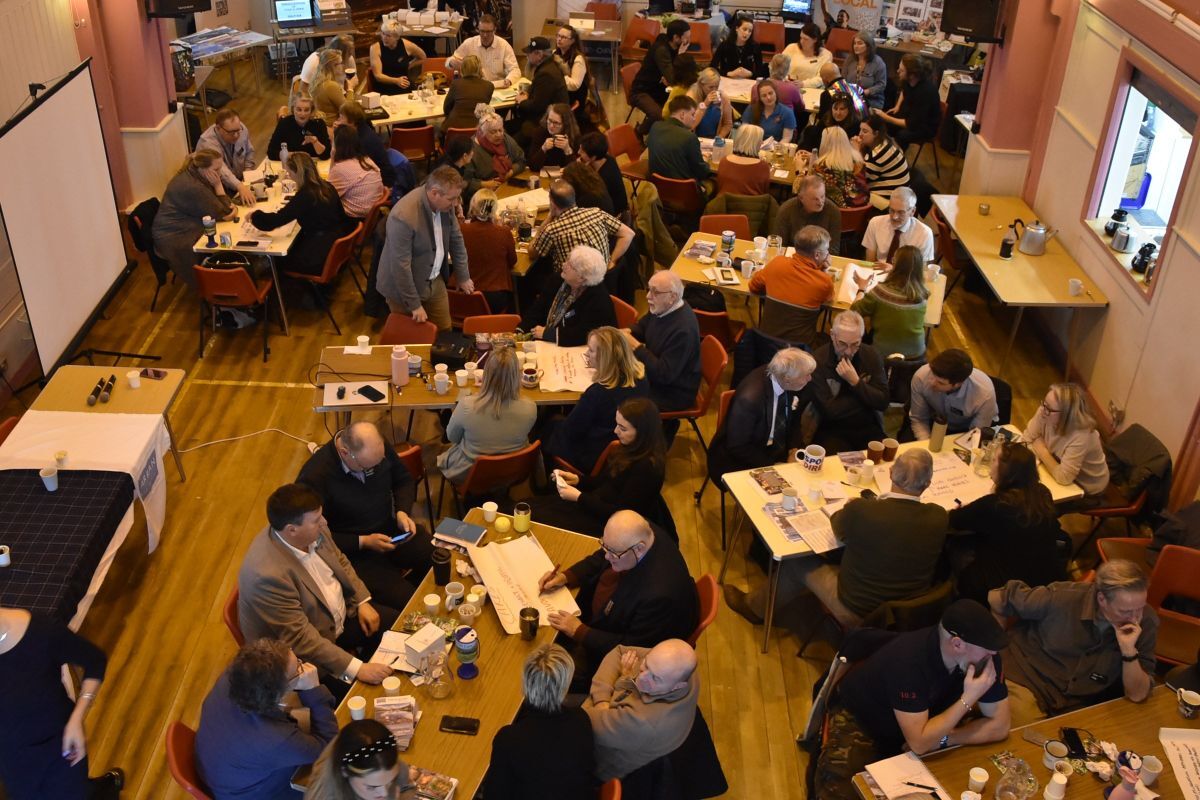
x=957 y=480
x=738 y=91
x=269 y=243
x=408 y=108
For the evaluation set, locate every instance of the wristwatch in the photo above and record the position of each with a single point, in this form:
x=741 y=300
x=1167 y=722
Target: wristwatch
x=944 y=743
x=1128 y=659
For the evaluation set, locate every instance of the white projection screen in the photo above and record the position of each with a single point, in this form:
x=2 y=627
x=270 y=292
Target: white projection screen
x=59 y=211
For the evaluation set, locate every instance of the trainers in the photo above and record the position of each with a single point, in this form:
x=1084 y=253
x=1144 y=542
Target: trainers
x=739 y=601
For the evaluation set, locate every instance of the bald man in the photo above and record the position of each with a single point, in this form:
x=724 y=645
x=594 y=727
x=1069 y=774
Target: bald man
x=642 y=705
x=368 y=495
x=635 y=590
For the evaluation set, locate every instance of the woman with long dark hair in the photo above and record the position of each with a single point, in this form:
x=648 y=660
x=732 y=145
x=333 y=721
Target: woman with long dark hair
x=864 y=68
x=808 y=56
x=632 y=479
x=316 y=207
x=739 y=56
x=590 y=191
x=884 y=163
x=1014 y=530
x=353 y=175
x=556 y=142
x=568 y=54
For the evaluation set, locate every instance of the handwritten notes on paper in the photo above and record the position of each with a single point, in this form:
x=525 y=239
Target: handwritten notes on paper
x=1182 y=746
x=511 y=571
x=563 y=368
x=954 y=481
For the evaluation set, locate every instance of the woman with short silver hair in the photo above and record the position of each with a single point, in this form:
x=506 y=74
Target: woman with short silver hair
x=550 y=750
x=579 y=306
x=743 y=171
x=491 y=251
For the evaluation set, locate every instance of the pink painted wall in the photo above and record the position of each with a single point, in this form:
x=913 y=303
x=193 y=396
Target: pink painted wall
x=136 y=55
x=88 y=37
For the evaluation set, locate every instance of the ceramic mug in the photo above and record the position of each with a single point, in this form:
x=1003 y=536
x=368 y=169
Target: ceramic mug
x=813 y=457
x=1055 y=751
x=1189 y=703
x=530 y=377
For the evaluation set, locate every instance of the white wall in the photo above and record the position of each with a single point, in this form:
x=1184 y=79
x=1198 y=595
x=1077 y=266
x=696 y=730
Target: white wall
x=1138 y=354
x=37 y=44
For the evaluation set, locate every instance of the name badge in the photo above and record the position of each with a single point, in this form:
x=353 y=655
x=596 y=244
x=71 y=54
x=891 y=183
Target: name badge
x=1099 y=677
x=608 y=608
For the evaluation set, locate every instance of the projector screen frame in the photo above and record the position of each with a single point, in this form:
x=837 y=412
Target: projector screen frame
x=72 y=352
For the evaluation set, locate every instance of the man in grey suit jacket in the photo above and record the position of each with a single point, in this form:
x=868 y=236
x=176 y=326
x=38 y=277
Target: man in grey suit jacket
x=423 y=239
x=295 y=585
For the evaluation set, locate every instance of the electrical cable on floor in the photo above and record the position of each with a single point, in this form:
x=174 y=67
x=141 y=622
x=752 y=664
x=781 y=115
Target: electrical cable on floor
x=245 y=436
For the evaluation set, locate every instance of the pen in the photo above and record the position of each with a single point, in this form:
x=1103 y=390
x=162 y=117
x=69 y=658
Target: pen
x=553 y=571
x=921 y=786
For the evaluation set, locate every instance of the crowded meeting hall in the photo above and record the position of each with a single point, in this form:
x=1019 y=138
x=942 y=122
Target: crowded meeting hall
x=599 y=399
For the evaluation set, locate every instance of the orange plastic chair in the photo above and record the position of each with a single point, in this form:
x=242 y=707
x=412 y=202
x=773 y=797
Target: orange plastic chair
x=611 y=790
x=230 y=615
x=491 y=323
x=1175 y=576
x=950 y=251
x=722 y=411
x=437 y=65
x=719 y=223
x=840 y=42
x=414 y=462
x=463 y=305
x=492 y=473
x=231 y=288
x=400 y=329
x=1114 y=506
x=605 y=11
x=181 y=760
x=370 y=223
x=623 y=140
x=638 y=38
x=597 y=468
x=626 y=314
x=706 y=588
x=718 y=325
x=628 y=73
x=682 y=197
x=771 y=38
x=7 y=426
x=339 y=254
x=451 y=134
x=1132 y=548
x=415 y=143
x=854 y=218
x=701 y=44
x=713 y=360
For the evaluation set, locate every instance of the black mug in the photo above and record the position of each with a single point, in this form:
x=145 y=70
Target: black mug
x=441 y=565
x=530 y=619
x=1006 y=248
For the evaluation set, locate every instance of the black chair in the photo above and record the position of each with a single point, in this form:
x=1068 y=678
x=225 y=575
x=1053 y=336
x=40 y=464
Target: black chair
x=1003 y=401
x=141 y=225
x=900 y=372
x=692 y=772
x=755 y=349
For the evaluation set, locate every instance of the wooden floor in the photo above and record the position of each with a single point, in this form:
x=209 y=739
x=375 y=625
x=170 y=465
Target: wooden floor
x=159 y=615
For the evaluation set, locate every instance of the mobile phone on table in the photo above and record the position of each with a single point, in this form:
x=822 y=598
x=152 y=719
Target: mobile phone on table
x=370 y=392
x=465 y=725
x=153 y=374
x=1074 y=742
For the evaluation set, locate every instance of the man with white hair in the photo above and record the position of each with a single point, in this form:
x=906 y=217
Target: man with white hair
x=763 y=421
x=667 y=342
x=809 y=207
x=885 y=235
x=892 y=547
x=850 y=387
x=579 y=304
x=570 y=226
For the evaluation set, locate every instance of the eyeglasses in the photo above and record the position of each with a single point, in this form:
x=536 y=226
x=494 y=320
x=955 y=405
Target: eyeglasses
x=615 y=555
x=654 y=291
x=233 y=132
x=848 y=345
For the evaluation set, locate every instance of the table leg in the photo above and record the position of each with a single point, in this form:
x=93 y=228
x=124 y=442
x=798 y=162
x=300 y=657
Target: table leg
x=730 y=545
x=1071 y=324
x=769 y=617
x=232 y=78
x=175 y=448
x=278 y=296
x=1012 y=335
x=255 y=55
x=281 y=53
x=204 y=103
x=615 y=86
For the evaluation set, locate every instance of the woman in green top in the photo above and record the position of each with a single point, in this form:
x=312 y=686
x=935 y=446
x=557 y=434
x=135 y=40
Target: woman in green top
x=896 y=307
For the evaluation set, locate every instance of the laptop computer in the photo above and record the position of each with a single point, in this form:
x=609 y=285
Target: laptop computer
x=294 y=13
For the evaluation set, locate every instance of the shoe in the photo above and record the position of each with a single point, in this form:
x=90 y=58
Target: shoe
x=739 y=601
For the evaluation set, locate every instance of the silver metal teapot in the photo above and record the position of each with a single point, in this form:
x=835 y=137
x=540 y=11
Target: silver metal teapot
x=1034 y=237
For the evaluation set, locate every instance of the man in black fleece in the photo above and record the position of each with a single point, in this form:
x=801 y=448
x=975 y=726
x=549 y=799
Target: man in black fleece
x=667 y=341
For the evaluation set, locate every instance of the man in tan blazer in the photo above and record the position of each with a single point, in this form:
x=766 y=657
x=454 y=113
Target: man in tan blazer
x=295 y=585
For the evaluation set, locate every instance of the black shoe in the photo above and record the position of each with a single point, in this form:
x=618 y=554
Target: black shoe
x=739 y=602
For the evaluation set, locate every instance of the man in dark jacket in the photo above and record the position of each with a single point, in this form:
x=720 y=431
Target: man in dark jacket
x=674 y=149
x=367 y=493
x=649 y=90
x=548 y=87
x=635 y=590
x=850 y=388
x=667 y=342
x=763 y=421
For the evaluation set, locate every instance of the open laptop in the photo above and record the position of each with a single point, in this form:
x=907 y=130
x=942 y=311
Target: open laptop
x=294 y=14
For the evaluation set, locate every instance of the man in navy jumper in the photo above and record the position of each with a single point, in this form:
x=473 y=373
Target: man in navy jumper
x=667 y=342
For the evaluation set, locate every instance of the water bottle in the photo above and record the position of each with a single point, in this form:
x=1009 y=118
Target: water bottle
x=210 y=230
x=520 y=211
x=283 y=154
x=937 y=435
x=718 y=150
x=399 y=365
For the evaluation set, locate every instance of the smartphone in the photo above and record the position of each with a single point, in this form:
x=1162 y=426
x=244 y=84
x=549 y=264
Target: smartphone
x=981 y=665
x=464 y=725
x=1070 y=737
x=371 y=393
x=247 y=243
x=401 y=536
x=153 y=374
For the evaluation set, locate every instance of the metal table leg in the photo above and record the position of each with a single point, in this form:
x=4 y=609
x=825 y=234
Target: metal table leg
x=174 y=448
x=615 y=86
x=769 y=617
x=1012 y=335
x=729 y=546
x=279 y=296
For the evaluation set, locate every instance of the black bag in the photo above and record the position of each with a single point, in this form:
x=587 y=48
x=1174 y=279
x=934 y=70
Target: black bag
x=703 y=298
x=452 y=348
x=182 y=67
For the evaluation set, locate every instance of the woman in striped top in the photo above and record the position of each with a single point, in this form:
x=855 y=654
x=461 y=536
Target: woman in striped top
x=358 y=182
x=885 y=165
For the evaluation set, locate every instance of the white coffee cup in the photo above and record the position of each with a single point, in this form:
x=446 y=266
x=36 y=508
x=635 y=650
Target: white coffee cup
x=441 y=369
x=1054 y=751
x=454 y=594
x=134 y=377
x=977 y=778
x=391 y=686
x=364 y=342
x=489 y=511
x=1152 y=767
x=433 y=604
x=441 y=383
x=49 y=478
x=789 y=499
x=1056 y=789
x=529 y=347
x=1075 y=286
x=460 y=377
x=5 y=555
x=357 y=706
x=932 y=272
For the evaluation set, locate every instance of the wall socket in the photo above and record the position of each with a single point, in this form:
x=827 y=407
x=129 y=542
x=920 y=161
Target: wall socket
x=1117 y=415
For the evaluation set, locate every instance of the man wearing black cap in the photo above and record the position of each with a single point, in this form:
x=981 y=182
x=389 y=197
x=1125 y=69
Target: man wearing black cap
x=548 y=87
x=917 y=690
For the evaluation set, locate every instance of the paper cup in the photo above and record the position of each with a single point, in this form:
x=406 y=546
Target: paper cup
x=480 y=592
x=470 y=366
x=460 y=377
x=357 y=706
x=60 y=459
x=1056 y=789
x=433 y=604
x=441 y=368
x=977 y=778
x=1075 y=287
x=50 y=478
x=875 y=451
x=364 y=342
x=889 y=449
x=1152 y=767
x=478 y=375
x=134 y=378
x=391 y=686
x=489 y=511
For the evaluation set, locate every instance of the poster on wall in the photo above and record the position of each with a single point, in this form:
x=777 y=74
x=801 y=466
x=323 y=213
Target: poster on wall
x=913 y=16
x=856 y=14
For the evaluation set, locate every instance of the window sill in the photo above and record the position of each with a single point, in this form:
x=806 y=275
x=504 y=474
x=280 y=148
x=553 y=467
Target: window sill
x=1124 y=260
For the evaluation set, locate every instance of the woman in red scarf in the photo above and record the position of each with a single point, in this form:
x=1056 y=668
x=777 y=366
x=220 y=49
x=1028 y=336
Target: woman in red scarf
x=497 y=156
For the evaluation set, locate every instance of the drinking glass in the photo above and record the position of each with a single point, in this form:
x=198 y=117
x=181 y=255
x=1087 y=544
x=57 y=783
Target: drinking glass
x=522 y=514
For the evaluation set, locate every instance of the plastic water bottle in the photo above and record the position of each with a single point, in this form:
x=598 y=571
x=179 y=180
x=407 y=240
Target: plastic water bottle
x=283 y=154
x=718 y=150
x=399 y=365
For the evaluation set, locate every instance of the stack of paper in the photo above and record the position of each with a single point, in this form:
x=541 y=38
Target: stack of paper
x=399 y=715
x=563 y=368
x=903 y=775
x=511 y=571
x=849 y=287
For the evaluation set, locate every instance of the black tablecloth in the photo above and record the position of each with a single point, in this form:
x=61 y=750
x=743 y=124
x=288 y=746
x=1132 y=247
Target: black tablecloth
x=57 y=538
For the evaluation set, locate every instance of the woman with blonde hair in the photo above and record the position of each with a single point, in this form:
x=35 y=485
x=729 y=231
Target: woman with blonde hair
x=195 y=192
x=714 y=113
x=318 y=210
x=494 y=422
x=841 y=167
x=328 y=88
x=581 y=437
x=743 y=171
x=491 y=251
x=301 y=130
x=896 y=307
x=361 y=763
x=497 y=155
x=1063 y=436
x=465 y=93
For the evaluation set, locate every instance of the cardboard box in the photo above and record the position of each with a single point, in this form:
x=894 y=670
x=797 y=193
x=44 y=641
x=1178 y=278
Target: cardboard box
x=428 y=641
